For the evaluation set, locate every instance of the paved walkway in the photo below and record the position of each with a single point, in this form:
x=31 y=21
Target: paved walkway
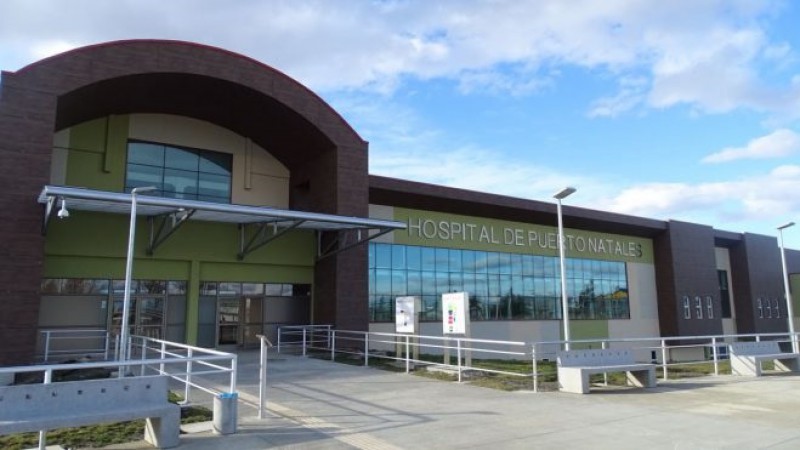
x=315 y=404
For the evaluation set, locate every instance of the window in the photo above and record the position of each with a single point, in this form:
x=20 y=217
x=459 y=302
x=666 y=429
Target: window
x=724 y=294
x=768 y=307
x=709 y=307
x=501 y=286
x=698 y=305
x=760 y=308
x=179 y=172
x=687 y=308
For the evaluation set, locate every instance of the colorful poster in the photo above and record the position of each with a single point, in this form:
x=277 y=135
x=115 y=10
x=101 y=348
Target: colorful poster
x=404 y=315
x=454 y=313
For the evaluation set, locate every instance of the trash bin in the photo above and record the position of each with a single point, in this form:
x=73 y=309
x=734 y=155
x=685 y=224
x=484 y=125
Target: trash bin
x=225 y=413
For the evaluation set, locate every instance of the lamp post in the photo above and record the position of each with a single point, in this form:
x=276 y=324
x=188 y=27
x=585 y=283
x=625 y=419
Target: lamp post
x=789 y=311
x=126 y=299
x=560 y=195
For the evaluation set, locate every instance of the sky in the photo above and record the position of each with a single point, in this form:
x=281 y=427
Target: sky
x=684 y=109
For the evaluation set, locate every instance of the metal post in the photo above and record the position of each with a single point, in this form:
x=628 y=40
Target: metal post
x=188 y=376
x=46 y=345
x=714 y=352
x=604 y=345
x=560 y=195
x=279 y=339
x=664 y=358
x=304 y=341
x=564 y=298
x=234 y=370
x=407 y=356
x=163 y=351
x=535 y=369
x=458 y=358
x=126 y=299
x=262 y=379
x=329 y=335
x=48 y=378
x=333 y=345
x=787 y=290
x=366 y=349
x=105 y=347
x=144 y=357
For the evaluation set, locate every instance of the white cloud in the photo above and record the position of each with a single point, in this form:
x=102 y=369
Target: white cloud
x=702 y=53
x=777 y=144
x=631 y=94
x=746 y=199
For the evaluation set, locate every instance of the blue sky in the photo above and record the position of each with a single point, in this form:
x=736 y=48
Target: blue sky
x=685 y=110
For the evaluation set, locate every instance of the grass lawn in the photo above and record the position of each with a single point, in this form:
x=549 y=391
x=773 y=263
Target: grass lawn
x=524 y=380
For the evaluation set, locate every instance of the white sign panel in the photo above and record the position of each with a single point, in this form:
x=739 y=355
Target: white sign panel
x=404 y=315
x=454 y=313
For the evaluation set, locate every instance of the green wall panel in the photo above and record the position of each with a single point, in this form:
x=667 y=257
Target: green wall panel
x=97 y=154
x=113 y=268
x=255 y=272
x=435 y=229
x=105 y=235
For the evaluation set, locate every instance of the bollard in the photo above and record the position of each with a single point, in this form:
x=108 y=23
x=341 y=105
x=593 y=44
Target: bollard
x=225 y=413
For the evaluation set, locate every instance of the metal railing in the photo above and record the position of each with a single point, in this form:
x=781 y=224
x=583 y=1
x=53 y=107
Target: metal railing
x=262 y=374
x=181 y=362
x=667 y=352
x=303 y=336
x=178 y=361
x=184 y=363
x=405 y=349
x=73 y=342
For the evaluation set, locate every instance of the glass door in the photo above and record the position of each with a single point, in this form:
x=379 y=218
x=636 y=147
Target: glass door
x=252 y=319
x=145 y=316
x=150 y=316
x=228 y=321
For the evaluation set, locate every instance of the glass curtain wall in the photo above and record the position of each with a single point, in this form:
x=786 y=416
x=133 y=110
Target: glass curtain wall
x=502 y=286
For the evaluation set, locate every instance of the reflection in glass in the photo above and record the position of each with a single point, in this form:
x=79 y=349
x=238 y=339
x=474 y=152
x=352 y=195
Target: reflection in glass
x=502 y=286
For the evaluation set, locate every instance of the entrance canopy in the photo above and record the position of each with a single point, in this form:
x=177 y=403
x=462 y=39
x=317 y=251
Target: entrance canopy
x=258 y=225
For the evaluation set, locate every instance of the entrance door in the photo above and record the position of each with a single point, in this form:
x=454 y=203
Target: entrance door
x=229 y=321
x=239 y=320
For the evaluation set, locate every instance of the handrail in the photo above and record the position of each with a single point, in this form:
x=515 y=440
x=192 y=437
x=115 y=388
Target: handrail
x=262 y=373
x=50 y=336
x=324 y=338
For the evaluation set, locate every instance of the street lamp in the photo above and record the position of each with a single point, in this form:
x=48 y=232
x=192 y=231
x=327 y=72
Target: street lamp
x=560 y=195
x=789 y=311
x=126 y=299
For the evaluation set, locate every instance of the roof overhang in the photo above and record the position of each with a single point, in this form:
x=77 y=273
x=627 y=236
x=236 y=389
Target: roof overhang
x=168 y=214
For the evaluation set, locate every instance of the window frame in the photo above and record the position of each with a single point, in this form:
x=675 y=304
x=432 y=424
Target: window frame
x=196 y=176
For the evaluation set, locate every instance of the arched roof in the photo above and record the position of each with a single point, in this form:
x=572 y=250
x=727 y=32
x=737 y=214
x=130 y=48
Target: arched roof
x=199 y=81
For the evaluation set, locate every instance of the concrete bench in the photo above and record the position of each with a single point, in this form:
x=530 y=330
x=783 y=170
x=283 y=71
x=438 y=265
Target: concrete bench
x=35 y=407
x=576 y=366
x=746 y=358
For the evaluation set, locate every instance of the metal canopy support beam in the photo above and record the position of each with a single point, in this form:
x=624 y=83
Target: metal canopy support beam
x=169 y=223
x=339 y=245
x=49 y=211
x=259 y=238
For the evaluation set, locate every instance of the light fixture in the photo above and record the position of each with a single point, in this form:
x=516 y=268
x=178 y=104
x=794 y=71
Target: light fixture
x=560 y=195
x=564 y=193
x=788 y=293
x=63 y=213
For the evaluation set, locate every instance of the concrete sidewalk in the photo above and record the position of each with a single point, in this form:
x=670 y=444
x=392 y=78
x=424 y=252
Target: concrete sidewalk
x=318 y=404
